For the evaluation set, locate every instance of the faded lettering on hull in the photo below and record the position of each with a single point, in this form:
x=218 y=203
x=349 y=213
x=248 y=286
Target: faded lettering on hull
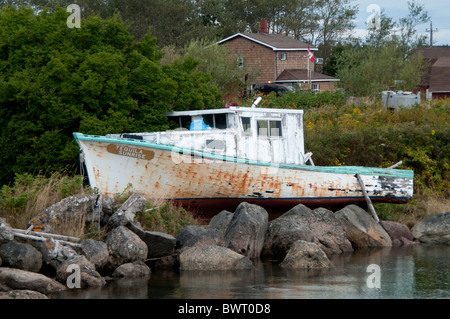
x=135 y=152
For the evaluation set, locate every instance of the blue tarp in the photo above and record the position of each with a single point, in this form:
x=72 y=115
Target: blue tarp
x=199 y=125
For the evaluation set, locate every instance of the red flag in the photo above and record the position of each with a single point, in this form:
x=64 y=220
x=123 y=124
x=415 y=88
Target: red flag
x=311 y=56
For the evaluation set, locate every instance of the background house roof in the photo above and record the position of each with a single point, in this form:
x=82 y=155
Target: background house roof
x=432 y=55
x=274 y=41
x=440 y=75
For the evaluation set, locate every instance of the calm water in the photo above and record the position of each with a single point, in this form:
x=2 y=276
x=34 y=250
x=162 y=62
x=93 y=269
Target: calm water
x=418 y=271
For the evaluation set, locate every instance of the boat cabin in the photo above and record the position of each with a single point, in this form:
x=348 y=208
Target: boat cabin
x=258 y=134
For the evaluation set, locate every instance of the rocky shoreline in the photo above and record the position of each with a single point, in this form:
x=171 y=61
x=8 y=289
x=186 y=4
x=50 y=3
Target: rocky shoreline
x=301 y=238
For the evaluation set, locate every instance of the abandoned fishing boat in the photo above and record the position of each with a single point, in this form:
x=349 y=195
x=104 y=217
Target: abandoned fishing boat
x=220 y=157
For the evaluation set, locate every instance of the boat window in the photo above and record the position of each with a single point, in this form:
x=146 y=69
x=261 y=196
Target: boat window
x=262 y=128
x=180 y=122
x=275 y=128
x=246 y=124
x=208 y=119
x=269 y=128
x=221 y=121
x=218 y=121
x=185 y=121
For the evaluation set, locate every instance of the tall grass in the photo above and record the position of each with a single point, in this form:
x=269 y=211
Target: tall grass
x=30 y=195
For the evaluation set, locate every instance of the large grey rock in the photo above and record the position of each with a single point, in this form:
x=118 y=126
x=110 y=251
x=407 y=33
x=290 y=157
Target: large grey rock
x=327 y=228
x=89 y=277
x=305 y=255
x=282 y=233
x=124 y=246
x=212 y=258
x=73 y=209
x=434 y=229
x=22 y=294
x=221 y=221
x=95 y=251
x=132 y=270
x=127 y=212
x=54 y=253
x=246 y=231
x=18 y=279
x=362 y=230
x=195 y=235
x=400 y=234
x=158 y=244
x=6 y=233
x=21 y=256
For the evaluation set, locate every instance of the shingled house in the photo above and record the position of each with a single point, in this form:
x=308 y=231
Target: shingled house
x=279 y=59
x=436 y=82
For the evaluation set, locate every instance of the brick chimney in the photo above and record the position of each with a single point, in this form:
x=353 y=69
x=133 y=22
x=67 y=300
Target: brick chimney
x=263 y=27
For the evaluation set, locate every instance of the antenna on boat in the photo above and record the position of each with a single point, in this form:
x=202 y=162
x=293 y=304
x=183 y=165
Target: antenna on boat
x=256 y=102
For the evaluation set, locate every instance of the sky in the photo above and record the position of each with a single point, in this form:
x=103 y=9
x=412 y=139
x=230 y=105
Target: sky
x=438 y=10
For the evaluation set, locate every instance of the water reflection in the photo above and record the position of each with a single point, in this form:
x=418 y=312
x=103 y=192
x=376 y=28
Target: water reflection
x=417 y=271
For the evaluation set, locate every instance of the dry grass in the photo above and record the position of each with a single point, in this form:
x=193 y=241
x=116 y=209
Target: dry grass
x=164 y=216
x=29 y=196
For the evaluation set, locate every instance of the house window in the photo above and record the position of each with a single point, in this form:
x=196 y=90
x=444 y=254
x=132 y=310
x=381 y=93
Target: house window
x=240 y=62
x=269 y=128
x=316 y=87
x=283 y=56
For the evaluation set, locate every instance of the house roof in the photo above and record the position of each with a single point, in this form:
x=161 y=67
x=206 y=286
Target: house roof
x=432 y=54
x=440 y=75
x=299 y=75
x=273 y=41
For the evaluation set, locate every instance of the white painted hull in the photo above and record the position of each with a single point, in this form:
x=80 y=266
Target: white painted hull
x=212 y=183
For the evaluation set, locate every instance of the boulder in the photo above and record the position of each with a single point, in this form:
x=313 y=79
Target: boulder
x=221 y=221
x=246 y=231
x=132 y=270
x=22 y=294
x=21 y=256
x=305 y=255
x=362 y=230
x=327 y=228
x=158 y=244
x=89 y=277
x=192 y=236
x=170 y=262
x=434 y=229
x=124 y=246
x=126 y=213
x=6 y=233
x=282 y=233
x=77 y=209
x=18 y=279
x=95 y=251
x=212 y=258
x=54 y=253
x=400 y=234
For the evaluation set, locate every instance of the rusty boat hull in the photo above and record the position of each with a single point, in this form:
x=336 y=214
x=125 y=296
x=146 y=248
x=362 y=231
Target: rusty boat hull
x=208 y=183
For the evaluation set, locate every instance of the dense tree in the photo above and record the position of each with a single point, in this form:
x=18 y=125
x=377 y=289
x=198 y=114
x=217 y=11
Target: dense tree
x=384 y=60
x=96 y=79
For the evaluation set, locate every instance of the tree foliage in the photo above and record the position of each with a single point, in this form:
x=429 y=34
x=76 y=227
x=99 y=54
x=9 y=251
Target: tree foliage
x=96 y=79
x=386 y=60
